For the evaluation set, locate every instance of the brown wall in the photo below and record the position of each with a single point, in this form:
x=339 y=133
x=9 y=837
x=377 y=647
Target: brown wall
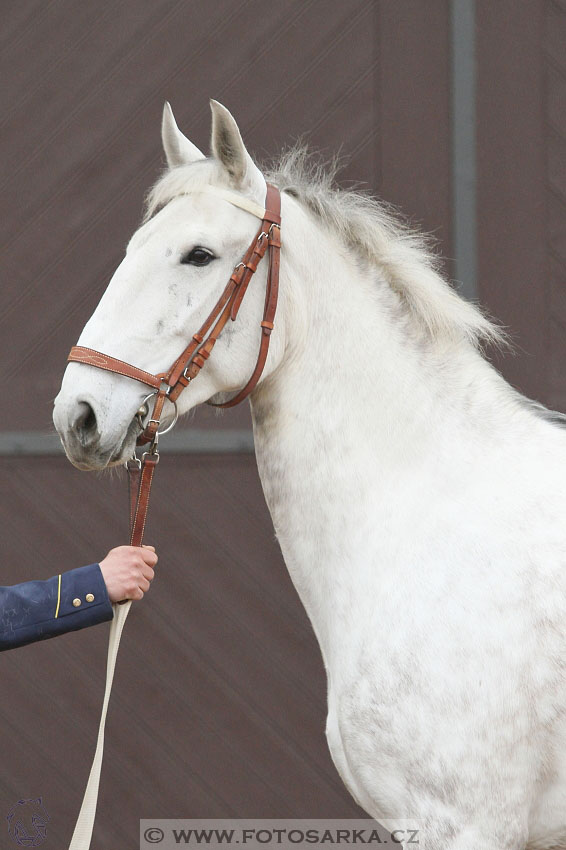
x=521 y=133
x=219 y=699
x=82 y=94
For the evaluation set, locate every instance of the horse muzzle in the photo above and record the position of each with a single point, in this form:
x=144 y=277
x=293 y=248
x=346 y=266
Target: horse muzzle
x=83 y=436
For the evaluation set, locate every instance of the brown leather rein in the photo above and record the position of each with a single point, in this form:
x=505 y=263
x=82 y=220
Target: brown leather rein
x=169 y=385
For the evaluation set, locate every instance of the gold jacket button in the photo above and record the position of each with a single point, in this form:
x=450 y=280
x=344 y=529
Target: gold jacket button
x=76 y=602
x=89 y=597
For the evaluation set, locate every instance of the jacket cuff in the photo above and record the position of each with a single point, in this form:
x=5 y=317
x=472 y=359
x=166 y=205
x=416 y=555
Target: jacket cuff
x=83 y=592
x=36 y=610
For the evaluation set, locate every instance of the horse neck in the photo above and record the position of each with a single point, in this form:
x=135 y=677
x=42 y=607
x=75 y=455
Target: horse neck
x=352 y=426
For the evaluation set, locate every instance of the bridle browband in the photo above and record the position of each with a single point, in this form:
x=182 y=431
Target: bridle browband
x=169 y=385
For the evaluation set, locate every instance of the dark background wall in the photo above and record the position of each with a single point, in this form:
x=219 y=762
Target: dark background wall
x=219 y=700
x=521 y=132
x=82 y=94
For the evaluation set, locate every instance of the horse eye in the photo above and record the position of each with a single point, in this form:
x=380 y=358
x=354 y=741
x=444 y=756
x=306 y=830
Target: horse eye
x=198 y=257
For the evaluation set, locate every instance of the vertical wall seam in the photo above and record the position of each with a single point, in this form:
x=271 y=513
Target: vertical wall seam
x=463 y=126
x=545 y=124
x=377 y=109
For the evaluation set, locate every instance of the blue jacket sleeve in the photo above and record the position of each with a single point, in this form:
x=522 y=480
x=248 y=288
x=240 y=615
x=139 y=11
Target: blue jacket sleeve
x=36 y=610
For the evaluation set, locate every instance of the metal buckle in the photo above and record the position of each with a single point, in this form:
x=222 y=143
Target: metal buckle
x=134 y=459
x=235 y=270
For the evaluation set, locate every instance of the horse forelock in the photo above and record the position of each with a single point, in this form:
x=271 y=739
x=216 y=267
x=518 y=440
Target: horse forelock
x=181 y=181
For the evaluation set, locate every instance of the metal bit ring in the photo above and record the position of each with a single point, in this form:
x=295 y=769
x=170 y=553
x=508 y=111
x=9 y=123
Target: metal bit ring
x=143 y=410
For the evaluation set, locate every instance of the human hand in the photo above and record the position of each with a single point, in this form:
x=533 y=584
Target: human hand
x=128 y=571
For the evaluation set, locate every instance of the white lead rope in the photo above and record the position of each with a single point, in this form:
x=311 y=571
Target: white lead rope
x=85 y=822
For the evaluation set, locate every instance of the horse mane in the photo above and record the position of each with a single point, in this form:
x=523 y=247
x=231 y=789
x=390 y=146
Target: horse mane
x=370 y=228
x=376 y=232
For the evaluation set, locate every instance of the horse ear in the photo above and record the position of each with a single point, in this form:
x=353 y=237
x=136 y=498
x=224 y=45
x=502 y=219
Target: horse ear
x=178 y=149
x=229 y=150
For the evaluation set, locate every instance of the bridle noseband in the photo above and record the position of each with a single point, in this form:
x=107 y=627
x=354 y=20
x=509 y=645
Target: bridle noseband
x=169 y=385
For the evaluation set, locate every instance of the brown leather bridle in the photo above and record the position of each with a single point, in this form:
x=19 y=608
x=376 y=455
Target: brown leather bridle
x=169 y=385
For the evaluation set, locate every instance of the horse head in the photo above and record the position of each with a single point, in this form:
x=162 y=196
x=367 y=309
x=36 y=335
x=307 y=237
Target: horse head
x=176 y=267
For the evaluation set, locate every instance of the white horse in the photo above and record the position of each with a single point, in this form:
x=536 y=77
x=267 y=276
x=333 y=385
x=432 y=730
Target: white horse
x=419 y=501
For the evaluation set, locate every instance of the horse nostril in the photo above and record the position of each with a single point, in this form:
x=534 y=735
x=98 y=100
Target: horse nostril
x=85 y=422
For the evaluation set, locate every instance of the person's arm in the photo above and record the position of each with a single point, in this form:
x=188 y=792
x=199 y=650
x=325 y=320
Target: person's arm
x=35 y=610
